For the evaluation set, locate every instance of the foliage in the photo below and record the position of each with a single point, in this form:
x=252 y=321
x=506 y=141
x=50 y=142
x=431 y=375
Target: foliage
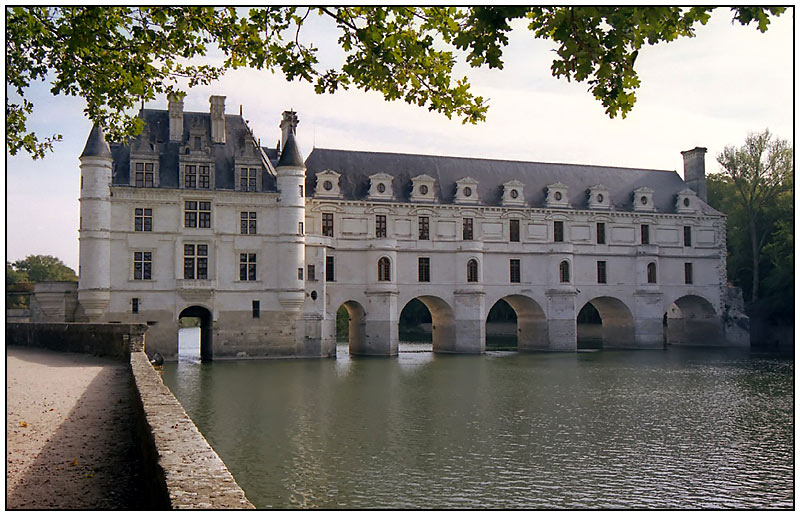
x=115 y=56
x=36 y=268
x=761 y=176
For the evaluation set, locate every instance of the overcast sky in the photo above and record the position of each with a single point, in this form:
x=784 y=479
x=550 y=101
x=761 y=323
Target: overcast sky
x=709 y=91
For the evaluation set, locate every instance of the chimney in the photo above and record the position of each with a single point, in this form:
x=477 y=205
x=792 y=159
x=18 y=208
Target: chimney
x=217 y=118
x=176 y=117
x=288 y=125
x=694 y=170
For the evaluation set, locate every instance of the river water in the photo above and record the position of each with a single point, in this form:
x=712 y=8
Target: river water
x=680 y=428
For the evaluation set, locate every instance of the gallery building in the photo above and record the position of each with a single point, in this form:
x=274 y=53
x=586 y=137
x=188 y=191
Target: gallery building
x=195 y=218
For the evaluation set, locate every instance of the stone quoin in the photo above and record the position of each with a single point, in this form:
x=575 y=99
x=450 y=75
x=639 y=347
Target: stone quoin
x=195 y=218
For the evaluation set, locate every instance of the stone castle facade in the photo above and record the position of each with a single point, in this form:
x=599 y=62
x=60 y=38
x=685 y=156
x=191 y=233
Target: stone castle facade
x=195 y=218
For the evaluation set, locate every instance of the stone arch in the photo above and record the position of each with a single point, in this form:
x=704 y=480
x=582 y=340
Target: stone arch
x=206 y=326
x=615 y=328
x=531 y=331
x=356 y=326
x=443 y=322
x=692 y=320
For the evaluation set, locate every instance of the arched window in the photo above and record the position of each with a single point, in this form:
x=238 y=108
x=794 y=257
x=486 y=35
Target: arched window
x=472 y=271
x=563 y=270
x=651 y=272
x=384 y=269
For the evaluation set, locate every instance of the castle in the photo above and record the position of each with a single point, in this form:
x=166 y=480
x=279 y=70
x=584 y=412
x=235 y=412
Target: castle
x=195 y=218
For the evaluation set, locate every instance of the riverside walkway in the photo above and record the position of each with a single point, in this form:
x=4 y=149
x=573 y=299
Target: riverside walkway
x=70 y=441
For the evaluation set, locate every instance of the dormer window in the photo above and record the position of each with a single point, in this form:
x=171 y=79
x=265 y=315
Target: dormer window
x=512 y=193
x=643 y=199
x=466 y=190
x=380 y=186
x=686 y=201
x=327 y=184
x=557 y=196
x=599 y=198
x=422 y=188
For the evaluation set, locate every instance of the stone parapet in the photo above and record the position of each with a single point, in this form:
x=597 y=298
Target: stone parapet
x=100 y=339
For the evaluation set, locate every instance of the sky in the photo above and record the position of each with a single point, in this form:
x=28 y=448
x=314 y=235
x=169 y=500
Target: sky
x=708 y=91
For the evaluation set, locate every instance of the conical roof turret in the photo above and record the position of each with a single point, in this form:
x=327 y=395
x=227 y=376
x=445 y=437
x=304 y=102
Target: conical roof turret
x=290 y=156
x=96 y=145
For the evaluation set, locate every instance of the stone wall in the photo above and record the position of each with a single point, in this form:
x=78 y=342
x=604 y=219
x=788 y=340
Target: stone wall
x=105 y=340
x=182 y=465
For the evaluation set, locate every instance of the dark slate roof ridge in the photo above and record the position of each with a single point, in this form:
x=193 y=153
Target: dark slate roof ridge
x=497 y=160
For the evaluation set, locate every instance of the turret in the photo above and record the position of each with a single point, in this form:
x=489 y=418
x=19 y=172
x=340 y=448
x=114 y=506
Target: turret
x=291 y=178
x=94 y=281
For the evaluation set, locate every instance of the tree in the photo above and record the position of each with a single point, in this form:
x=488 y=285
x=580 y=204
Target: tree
x=760 y=173
x=115 y=56
x=38 y=268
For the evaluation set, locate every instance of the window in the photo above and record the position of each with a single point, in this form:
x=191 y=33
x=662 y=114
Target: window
x=601 y=232
x=195 y=261
x=513 y=230
x=327 y=224
x=142 y=265
x=197 y=214
x=300 y=273
x=424 y=228
x=688 y=276
x=190 y=176
x=601 y=271
x=651 y=272
x=645 y=234
x=204 y=177
x=558 y=231
x=256 y=309
x=687 y=236
x=424 y=270
x=384 y=269
x=514 y=270
x=135 y=305
x=472 y=271
x=301 y=190
x=197 y=176
x=247 y=179
x=329 y=269
x=143 y=219
x=380 y=226
x=247 y=267
x=563 y=271
x=312 y=272
x=144 y=174
x=248 y=220
x=466 y=229
x=300 y=230
x=197 y=142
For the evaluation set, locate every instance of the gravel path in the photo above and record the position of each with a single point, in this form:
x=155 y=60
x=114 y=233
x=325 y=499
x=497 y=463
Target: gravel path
x=69 y=432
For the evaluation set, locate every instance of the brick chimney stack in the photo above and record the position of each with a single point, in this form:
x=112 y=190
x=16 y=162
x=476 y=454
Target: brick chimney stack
x=175 y=118
x=694 y=170
x=217 y=118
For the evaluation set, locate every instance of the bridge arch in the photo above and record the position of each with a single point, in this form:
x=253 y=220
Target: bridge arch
x=605 y=322
x=206 y=327
x=443 y=322
x=351 y=318
x=692 y=320
x=531 y=322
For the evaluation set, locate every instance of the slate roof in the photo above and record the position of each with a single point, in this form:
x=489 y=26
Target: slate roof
x=238 y=140
x=96 y=145
x=290 y=156
x=355 y=168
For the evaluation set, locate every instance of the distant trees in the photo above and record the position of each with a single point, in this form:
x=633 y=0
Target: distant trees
x=755 y=189
x=22 y=274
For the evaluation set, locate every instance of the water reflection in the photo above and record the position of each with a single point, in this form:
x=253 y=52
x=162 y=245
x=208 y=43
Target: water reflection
x=683 y=428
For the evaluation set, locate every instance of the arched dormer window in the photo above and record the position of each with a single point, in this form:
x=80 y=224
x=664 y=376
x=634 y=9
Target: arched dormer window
x=472 y=271
x=563 y=271
x=384 y=269
x=651 y=272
